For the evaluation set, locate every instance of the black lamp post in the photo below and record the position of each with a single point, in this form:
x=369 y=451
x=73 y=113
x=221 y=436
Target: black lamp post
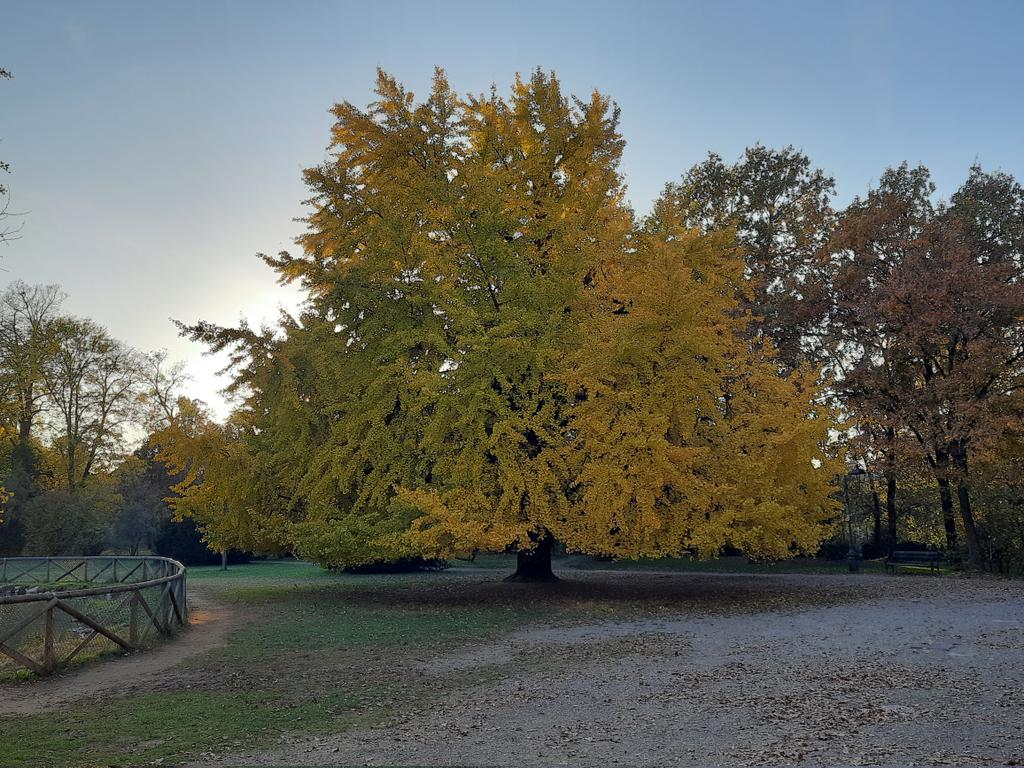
x=852 y=555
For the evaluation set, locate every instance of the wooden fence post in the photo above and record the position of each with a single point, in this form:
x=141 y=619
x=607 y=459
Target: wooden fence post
x=49 y=657
x=133 y=620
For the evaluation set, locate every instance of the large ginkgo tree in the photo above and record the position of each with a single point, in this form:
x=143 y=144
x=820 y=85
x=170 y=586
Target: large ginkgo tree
x=494 y=355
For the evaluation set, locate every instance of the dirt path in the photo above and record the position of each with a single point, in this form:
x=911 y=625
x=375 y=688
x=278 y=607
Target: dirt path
x=209 y=624
x=931 y=672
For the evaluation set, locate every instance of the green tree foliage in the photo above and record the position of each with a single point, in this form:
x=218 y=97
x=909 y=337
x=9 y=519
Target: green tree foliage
x=28 y=316
x=71 y=521
x=183 y=541
x=144 y=485
x=220 y=485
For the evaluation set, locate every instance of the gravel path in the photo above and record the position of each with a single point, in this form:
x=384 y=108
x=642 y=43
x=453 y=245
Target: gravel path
x=920 y=671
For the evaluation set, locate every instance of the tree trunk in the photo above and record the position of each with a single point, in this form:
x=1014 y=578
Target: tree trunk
x=974 y=553
x=223 y=559
x=876 y=533
x=890 y=509
x=25 y=413
x=535 y=564
x=975 y=556
x=940 y=465
x=948 y=516
x=25 y=429
x=70 y=453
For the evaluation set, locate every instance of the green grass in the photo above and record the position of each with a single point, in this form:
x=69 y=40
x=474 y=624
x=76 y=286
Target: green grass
x=293 y=571
x=140 y=729
x=318 y=619
x=64 y=585
x=280 y=572
x=318 y=609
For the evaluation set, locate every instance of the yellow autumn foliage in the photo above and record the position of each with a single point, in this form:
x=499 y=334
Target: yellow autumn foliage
x=493 y=350
x=688 y=438
x=222 y=487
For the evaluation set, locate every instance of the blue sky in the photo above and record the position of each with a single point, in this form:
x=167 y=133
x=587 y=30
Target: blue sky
x=157 y=147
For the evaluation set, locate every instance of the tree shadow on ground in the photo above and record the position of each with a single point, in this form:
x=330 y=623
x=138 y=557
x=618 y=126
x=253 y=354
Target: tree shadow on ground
x=643 y=591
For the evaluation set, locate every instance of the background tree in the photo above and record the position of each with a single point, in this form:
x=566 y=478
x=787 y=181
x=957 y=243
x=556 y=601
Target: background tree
x=28 y=317
x=143 y=485
x=7 y=232
x=925 y=329
x=73 y=401
x=989 y=209
x=28 y=340
x=71 y=521
x=961 y=320
x=779 y=207
x=867 y=366
x=161 y=381
x=183 y=541
x=996 y=485
x=92 y=385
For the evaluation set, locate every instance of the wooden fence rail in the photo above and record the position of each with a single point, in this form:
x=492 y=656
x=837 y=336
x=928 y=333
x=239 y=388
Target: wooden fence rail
x=54 y=608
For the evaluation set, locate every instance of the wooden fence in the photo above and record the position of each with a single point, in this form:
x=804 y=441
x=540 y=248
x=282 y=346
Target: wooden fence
x=55 y=609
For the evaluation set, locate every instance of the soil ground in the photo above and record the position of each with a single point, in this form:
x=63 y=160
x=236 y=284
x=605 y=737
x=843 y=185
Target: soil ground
x=922 y=672
x=298 y=667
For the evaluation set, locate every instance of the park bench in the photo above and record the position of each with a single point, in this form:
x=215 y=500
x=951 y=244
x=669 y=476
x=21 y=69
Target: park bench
x=931 y=559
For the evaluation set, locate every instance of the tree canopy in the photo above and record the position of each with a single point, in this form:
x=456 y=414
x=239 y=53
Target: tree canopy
x=481 y=307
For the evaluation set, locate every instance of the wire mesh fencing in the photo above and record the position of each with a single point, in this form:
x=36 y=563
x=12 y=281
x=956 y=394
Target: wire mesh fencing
x=56 y=609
